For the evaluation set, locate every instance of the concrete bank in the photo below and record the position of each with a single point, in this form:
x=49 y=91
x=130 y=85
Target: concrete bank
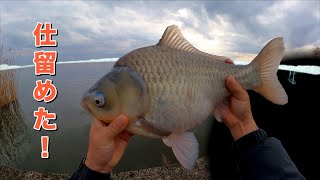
x=166 y=173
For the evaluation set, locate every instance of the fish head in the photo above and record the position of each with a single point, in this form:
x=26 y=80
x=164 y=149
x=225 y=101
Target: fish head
x=101 y=100
x=121 y=91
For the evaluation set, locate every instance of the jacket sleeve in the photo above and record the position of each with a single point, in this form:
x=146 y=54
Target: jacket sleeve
x=261 y=157
x=85 y=173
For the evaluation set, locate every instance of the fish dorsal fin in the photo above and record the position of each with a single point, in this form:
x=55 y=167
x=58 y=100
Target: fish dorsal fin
x=173 y=38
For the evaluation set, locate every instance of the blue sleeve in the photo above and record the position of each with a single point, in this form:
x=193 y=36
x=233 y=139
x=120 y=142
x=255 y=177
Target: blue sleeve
x=261 y=157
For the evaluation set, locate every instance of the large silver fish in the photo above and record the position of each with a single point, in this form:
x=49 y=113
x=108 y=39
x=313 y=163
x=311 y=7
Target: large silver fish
x=170 y=88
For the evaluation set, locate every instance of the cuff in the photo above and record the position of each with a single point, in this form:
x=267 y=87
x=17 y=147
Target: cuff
x=86 y=173
x=254 y=138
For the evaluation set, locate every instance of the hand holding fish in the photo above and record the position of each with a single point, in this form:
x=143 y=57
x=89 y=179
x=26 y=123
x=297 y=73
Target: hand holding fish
x=107 y=144
x=235 y=111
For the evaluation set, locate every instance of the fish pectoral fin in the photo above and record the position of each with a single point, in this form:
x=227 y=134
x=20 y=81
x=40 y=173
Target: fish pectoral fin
x=217 y=115
x=185 y=147
x=220 y=107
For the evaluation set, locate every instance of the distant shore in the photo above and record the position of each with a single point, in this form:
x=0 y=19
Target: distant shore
x=176 y=171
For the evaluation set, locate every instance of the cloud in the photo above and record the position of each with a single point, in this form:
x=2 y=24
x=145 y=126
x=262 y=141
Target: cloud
x=98 y=29
x=297 y=21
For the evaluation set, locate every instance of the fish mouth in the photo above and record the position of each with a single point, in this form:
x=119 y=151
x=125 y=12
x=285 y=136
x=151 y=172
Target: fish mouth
x=84 y=102
x=85 y=107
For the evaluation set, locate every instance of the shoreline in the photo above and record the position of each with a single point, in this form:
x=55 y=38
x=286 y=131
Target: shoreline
x=168 y=172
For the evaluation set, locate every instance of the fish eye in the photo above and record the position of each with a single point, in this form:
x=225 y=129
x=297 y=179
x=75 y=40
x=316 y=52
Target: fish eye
x=99 y=99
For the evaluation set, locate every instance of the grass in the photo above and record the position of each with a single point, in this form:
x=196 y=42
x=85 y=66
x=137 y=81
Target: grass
x=8 y=93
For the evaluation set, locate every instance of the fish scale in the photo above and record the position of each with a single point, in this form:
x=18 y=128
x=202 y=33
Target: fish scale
x=170 y=77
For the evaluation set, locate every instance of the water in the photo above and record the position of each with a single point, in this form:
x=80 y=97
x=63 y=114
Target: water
x=69 y=143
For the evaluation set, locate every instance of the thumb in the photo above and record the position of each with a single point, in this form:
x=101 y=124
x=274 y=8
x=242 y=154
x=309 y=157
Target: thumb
x=118 y=125
x=236 y=90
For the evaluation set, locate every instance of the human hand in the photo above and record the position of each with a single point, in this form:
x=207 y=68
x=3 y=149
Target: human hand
x=107 y=144
x=235 y=111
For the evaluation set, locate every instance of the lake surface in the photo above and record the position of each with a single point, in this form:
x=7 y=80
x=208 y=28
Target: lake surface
x=21 y=145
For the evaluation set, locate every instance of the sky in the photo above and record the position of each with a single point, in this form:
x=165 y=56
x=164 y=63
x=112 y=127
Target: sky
x=110 y=29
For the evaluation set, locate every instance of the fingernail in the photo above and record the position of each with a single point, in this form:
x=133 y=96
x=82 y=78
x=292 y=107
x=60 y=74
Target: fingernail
x=230 y=79
x=120 y=120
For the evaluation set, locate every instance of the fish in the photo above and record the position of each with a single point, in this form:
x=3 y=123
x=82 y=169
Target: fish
x=170 y=88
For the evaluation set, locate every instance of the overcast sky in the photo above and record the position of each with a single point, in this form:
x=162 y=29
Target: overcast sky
x=98 y=29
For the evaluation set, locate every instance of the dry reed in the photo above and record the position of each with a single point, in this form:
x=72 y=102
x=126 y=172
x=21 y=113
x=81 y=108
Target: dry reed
x=8 y=90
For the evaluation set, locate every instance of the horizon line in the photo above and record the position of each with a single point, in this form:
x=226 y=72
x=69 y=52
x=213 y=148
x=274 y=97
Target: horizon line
x=309 y=69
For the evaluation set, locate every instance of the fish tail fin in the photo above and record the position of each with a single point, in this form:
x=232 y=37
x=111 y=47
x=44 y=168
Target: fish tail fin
x=268 y=61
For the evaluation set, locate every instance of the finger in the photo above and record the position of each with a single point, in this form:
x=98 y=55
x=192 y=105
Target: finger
x=120 y=147
x=236 y=90
x=125 y=135
x=228 y=61
x=97 y=123
x=121 y=143
x=116 y=127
